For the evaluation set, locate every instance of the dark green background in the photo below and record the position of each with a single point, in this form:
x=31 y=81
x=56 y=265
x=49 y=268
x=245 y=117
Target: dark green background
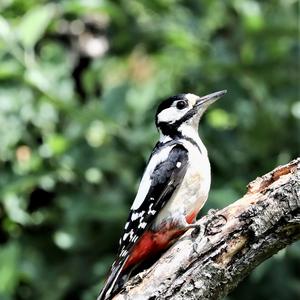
x=79 y=84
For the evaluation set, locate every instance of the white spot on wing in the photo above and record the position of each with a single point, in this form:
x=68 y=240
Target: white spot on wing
x=178 y=165
x=151 y=211
x=125 y=236
x=134 y=216
x=143 y=225
x=134 y=238
x=146 y=181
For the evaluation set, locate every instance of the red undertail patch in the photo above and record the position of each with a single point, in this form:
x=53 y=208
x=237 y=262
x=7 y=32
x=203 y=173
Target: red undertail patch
x=152 y=243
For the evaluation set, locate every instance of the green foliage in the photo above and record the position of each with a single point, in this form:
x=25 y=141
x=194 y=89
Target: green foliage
x=79 y=83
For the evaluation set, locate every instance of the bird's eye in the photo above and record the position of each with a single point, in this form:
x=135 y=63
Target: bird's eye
x=181 y=104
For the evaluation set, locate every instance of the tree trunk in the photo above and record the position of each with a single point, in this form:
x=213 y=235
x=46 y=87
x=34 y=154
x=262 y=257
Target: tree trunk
x=236 y=239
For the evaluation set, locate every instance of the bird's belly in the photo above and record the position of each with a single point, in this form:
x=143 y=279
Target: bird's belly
x=190 y=196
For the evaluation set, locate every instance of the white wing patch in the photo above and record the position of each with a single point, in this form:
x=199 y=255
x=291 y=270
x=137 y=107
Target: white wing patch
x=146 y=181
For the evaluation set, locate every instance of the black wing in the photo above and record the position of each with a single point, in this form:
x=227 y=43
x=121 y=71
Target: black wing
x=165 y=178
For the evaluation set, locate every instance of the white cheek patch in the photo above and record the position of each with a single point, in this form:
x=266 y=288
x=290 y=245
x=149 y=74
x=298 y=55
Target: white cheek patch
x=171 y=114
x=192 y=98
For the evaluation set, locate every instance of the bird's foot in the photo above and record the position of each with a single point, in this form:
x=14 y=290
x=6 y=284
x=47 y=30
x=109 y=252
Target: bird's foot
x=198 y=231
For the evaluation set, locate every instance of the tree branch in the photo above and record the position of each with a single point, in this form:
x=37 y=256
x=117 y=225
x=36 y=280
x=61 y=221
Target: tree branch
x=236 y=240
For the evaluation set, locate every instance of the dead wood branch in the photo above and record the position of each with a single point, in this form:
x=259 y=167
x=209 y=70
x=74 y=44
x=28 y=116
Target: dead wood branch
x=236 y=240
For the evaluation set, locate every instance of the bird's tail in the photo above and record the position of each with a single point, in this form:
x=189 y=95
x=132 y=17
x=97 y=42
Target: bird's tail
x=112 y=282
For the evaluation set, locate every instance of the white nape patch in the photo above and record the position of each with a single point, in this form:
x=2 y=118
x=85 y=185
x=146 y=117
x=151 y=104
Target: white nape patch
x=142 y=225
x=192 y=98
x=178 y=164
x=145 y=183
x=171 y=114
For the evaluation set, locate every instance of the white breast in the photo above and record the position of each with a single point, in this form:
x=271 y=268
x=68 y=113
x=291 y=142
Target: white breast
x=193 y=191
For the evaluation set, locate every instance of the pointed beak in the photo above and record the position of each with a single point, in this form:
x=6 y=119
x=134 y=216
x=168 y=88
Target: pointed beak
x=209 y=99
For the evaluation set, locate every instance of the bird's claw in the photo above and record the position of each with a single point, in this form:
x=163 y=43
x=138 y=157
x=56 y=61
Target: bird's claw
x=196 y=231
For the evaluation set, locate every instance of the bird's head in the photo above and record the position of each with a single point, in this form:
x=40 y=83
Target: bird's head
x=182 y=112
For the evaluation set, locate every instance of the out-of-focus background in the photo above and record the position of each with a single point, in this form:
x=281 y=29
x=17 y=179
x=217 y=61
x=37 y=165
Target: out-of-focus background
x=79 y=84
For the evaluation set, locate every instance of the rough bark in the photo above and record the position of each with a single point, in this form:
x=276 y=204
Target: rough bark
x=236 y=239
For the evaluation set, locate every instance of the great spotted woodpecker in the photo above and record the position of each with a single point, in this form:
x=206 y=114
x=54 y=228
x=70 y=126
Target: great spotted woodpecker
x=172 y=191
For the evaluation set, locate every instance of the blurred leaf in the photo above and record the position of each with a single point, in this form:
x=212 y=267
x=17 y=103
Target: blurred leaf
x=34 y=23
x=57 y=144
x=8 y=37
x=219 y=118
x=9 y=258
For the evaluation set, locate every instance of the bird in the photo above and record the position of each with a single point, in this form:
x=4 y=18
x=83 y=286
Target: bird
x=173 y=189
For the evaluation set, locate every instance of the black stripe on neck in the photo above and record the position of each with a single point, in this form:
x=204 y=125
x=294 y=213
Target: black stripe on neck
x=192 y=142
x=176 y=140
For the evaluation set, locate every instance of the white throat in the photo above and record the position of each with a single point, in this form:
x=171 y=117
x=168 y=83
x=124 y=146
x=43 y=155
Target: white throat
x=191 y=132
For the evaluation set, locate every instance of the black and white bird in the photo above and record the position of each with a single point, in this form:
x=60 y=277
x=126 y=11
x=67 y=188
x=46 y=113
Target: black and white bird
x=173 y=189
